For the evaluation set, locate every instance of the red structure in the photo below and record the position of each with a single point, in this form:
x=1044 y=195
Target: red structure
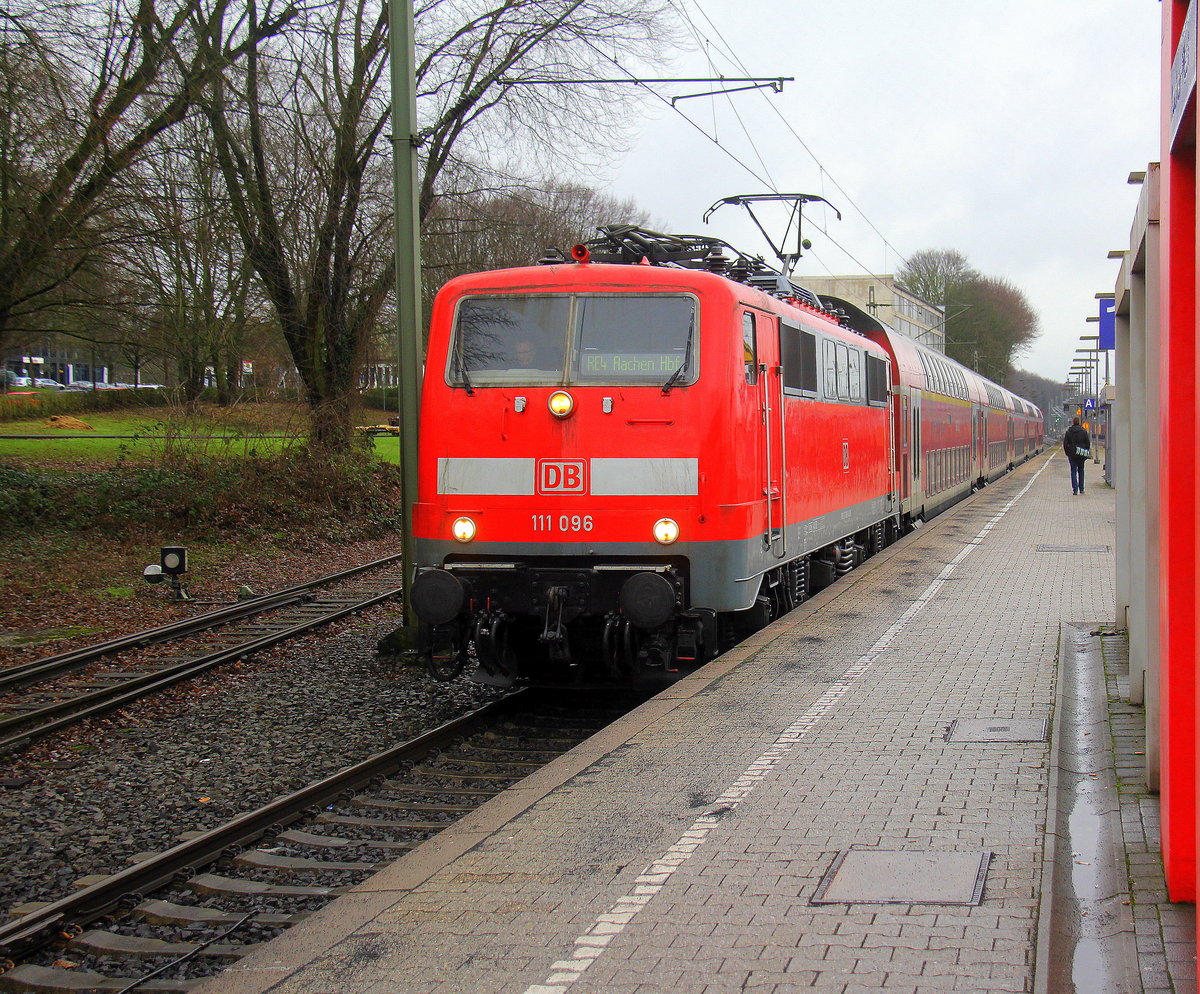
x=1178 y=440
x=631 y=459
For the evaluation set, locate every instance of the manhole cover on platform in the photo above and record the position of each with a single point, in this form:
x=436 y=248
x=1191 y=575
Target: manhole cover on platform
x=1074 y=548
x=874 y=876
x=997 y=730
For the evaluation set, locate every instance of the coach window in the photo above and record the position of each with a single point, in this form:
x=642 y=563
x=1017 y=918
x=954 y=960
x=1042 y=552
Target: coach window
x=749 y=348
x=799 y=357
x=876 y=380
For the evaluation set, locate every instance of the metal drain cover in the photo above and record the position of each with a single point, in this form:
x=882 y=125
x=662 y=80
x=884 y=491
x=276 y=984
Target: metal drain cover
x=997 y=730
x=1074 y=548
x=875 y=876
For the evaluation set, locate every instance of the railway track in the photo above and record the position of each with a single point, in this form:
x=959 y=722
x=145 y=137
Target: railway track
x=177 y=916
x=52 y=693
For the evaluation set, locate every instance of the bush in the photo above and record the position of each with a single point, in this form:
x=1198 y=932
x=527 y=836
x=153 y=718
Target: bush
x=382 y=399
x=47 y=402
x=293 y=499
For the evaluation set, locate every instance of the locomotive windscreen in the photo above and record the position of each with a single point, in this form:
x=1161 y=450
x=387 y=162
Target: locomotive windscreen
x=616 y=338
x=634 y=339
x=509 y=339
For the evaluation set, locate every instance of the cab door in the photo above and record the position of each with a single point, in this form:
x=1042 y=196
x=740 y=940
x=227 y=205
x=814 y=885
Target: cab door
x=760 y=336
x=901 y=436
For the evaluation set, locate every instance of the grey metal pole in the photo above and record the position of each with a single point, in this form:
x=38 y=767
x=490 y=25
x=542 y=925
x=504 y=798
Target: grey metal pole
x=408 y=271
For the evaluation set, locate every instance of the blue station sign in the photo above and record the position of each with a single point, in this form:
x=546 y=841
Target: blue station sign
x=1108 y=323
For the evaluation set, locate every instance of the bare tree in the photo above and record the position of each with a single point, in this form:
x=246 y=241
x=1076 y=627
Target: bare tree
x=111 y=78
x=989 y=321
x=512 y=75
x=186 y=279
x=989 y=324
x=498 y=229
x=300 y=138
x=931 y=273
x=297 y=137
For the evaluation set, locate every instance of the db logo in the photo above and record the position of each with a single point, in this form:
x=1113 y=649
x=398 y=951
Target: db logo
x=559 y=476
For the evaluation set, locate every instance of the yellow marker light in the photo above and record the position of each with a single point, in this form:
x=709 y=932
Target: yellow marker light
x=666 y=531
x=561 y=404
x=463 y=529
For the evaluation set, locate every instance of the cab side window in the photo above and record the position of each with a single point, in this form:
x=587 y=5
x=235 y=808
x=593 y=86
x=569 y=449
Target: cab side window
x=831 y=370
x=855 y=369
x=749 y=348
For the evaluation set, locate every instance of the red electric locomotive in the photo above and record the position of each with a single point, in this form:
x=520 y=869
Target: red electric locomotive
x=630 y=460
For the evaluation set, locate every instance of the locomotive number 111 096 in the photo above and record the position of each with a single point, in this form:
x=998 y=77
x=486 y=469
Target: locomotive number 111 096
x=562 y=523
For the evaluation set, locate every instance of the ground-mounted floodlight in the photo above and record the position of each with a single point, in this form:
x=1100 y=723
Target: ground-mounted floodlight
x=172 y=563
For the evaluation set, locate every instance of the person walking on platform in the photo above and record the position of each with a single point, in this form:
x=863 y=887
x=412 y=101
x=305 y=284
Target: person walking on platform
x=1077 y=444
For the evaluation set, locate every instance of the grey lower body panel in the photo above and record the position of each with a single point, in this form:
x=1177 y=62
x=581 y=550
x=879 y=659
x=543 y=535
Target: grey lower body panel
x=723 y=576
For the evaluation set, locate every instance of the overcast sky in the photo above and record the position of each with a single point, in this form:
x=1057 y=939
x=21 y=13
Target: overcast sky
x=1004 y=130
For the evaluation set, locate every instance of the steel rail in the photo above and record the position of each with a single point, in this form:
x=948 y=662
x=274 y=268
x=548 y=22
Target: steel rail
x=66 y=713
x=29 y=931
x=16 y=677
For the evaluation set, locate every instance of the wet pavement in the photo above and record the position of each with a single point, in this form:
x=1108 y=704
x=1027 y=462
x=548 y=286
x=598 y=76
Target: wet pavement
x=910 y=784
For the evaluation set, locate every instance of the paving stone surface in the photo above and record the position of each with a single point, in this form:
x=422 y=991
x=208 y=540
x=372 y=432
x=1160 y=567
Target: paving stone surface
x=683 y=852
x=1165 y=932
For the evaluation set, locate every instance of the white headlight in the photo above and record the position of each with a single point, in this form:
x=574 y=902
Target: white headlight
x=463 y=529
x=666 y=531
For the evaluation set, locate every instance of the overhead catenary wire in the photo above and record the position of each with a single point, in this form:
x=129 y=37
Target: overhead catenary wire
x=681 y=6
x=765 y=180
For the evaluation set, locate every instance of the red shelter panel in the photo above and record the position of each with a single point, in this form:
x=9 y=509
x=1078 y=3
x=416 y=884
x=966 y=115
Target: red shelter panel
x=1178 y=437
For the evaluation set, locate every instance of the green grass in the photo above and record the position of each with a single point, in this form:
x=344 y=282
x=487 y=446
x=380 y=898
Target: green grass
x=386 y=449
x=103 y=423
x=144 y=448
x=163 y=435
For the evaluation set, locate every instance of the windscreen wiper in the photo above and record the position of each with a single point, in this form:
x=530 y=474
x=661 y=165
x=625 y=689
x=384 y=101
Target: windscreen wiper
x=466 y=379
x=687 y=361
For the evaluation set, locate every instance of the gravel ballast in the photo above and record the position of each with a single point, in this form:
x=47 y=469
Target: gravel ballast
x=87 y=800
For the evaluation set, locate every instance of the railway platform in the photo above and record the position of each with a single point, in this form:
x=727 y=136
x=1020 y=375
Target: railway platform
x=909 y=784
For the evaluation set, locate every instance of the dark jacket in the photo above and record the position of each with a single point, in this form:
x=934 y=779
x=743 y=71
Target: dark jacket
x=1076 y=438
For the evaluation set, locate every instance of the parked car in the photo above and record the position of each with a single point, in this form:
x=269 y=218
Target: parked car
x=20 y=381
x=46 y=384
x=80 y=385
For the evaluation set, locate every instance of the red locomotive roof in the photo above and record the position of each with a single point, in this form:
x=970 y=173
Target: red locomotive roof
x=601 y=277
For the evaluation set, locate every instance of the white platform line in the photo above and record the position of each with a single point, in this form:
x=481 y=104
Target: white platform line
x=590 y=946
